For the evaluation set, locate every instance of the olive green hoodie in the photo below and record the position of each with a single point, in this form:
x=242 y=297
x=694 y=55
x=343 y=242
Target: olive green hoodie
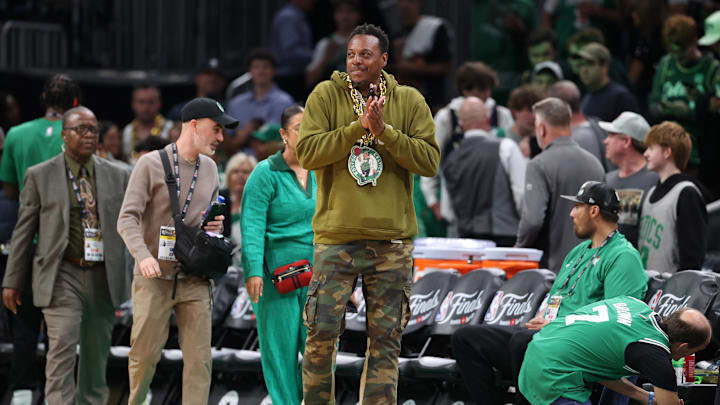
x=345 y=211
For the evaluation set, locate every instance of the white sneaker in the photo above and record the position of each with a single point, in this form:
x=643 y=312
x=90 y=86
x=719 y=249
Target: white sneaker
x=148 y=398
x=21 y=397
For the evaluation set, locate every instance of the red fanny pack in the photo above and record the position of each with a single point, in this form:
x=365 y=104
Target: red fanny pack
x=292 y=276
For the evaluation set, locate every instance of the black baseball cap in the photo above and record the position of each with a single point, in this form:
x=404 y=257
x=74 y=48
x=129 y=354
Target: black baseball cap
x=597 y=193
x=203 y=107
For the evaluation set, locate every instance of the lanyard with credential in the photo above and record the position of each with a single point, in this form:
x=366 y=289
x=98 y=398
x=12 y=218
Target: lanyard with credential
x=78 y=196
x=597 y=253
x=192 y=183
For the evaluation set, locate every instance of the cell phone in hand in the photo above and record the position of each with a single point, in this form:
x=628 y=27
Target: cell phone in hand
x=215 y=209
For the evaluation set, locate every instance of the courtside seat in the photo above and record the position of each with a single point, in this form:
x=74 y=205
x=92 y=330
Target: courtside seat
x=694 y=289
x=349 y=364
x=426 y=298
x=520 y=298
x=231 y=354
x=223 y=296
x=123 y=325
x=120 y=348
x=689 y=288
x=227 y=360
x=171 y=356
x=436 y=368
x=6 y=350
x=239 y=328
x=655 y=280
x=120 y=352
x=465 y=304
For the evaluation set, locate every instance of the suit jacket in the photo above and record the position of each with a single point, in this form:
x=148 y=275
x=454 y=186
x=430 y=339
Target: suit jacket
x=45 y=211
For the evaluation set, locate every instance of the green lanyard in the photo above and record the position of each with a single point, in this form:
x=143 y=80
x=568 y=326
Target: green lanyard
x=597 y=253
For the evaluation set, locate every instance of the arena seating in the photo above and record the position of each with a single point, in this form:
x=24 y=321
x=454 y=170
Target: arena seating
x=655 y=281
x=465 y=304
x=689 y=288
x=441 y=302
x=237 y=368
x=693 y=289
x=426 y=297
x=434 y=379
x=520 y=298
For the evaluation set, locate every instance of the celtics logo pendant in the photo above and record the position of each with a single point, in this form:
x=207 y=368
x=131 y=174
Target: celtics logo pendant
x=365 y=165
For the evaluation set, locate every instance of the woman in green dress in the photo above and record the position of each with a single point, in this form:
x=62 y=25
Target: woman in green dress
x=277 y=208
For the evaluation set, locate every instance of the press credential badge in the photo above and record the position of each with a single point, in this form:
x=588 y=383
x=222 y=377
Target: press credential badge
x=553 y=306
x=166 y=247
x=93 y=245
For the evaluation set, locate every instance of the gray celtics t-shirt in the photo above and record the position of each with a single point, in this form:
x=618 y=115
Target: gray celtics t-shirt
x=632 y=191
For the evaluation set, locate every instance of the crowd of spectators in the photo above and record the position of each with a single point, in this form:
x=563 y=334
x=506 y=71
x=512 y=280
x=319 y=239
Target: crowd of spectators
x=644 y=56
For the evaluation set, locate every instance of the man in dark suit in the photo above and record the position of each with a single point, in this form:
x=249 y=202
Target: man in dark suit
x=79 y=269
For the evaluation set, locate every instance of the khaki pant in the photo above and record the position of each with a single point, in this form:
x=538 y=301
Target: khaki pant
x=152 y=305
x=80 y=297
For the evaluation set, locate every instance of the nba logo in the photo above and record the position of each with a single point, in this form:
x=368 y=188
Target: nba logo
x=654 y=300
x=494 y=305
x=444 y=307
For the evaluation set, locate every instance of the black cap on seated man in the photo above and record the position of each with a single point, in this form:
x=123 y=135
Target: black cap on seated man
x=597 y=193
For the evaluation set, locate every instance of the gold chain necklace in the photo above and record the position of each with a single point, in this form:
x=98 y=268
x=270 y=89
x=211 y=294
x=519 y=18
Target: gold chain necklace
x=359 y=105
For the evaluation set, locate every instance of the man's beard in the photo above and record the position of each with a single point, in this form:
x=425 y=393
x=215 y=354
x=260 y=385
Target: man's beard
x=361 y=84
x=582 y=234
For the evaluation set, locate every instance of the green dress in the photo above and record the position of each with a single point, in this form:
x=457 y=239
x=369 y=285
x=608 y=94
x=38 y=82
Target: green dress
x=276 y=230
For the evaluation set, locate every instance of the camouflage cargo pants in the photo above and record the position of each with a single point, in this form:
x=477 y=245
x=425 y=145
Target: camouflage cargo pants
x=386 y=270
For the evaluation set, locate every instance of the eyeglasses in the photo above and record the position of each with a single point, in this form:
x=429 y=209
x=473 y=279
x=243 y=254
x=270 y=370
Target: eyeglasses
x=83 y=130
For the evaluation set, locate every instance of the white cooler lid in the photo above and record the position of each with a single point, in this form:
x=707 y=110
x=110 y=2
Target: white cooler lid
x=450 y=248
x=508 y=253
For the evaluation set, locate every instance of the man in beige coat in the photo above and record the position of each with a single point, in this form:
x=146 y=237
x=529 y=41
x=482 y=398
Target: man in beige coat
x=79 y=269
x=147 y=227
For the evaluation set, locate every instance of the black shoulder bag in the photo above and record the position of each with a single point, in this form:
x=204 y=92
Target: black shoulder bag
x=198 y=254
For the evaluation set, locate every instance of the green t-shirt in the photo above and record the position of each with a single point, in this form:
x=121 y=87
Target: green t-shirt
x=28 y=144
x=673 y=82
x=616 y=271
x=569 y=355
